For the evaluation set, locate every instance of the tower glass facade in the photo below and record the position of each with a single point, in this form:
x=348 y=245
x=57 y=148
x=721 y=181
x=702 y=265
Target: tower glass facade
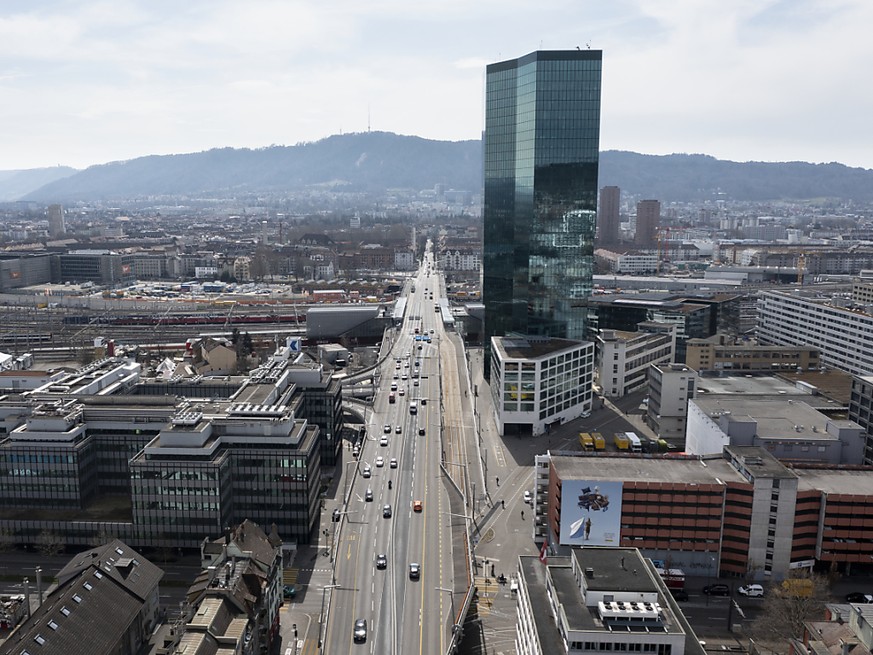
x=542 y=141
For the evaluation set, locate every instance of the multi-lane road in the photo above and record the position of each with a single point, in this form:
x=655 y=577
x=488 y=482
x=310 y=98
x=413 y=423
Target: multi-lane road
x=406 y=611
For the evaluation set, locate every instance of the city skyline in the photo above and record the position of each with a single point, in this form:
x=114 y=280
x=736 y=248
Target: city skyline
x=87 y=84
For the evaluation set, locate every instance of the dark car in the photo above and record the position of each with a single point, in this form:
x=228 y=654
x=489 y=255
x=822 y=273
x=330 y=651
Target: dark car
x=361 y=630
x=381 y=561
x=421 y=432
x=679 y=594
x=858 y=597
x=717 y=590
x=386 y=511
x=289 y=591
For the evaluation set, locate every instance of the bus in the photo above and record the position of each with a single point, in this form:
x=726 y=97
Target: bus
x=586 y=441
x=599 y=441
x=673 y=578
x=636 y=446
x=620 y=441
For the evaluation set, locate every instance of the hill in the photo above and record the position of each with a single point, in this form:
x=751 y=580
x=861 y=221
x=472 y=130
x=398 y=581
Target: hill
x=17 y=184
x=375 y=161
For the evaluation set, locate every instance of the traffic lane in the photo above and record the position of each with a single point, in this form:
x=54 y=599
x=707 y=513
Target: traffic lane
x=344 y=598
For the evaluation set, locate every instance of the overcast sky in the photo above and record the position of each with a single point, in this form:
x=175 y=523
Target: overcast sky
x=88 y=81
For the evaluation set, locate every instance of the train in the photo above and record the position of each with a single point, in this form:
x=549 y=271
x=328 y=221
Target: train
x=184 y=319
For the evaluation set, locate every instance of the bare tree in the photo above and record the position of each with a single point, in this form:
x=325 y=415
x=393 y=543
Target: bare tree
x=49 y=543
x=787 y=606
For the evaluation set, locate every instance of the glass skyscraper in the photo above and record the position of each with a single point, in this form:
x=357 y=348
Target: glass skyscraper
x=542 y=141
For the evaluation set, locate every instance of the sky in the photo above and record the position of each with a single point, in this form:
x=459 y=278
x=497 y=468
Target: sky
x=85 y=82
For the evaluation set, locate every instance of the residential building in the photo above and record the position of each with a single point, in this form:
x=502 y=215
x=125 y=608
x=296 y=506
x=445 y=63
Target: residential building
x=627 y=263
x=623 y=358
x=648 y=223
x=742 y=513
x=608 y=215
x=106 y=601
x=670 y=388
x=460 y=259
x=598 y=600
x=842 y=332
x=540 y=196
x=722 y=352
x=537 y=382
x=57 y=229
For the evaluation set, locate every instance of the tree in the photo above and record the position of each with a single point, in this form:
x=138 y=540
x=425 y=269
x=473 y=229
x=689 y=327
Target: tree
x=787 y=606
x=49 y=543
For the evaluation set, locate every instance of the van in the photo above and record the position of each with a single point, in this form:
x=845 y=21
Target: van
x=751 y=591
x=586 y=441
x=620 y=440
x=599 y=441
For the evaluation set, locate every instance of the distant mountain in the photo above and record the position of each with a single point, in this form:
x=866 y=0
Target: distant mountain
x=17 y=184
x=371 y=161
x=376 y=161
x=701 y=177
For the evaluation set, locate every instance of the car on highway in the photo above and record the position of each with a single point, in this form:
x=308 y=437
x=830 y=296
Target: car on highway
x=527 y=496
x=414 y=571
x=383 y=441
x=356 y=450
x=858 y=597
x=402 y=392
x=407 y=354
x=368 y=496
x=386 y=429
x=393 y=463
x=386 y=511
x=415 y=382
x=420 y=432
x=398 y=429
x=751 y=591
x=416 y=505
x=381 y=561
x=393 y=386
x=404 y=377
x=396 y=377
x=717 y=590
x=360 y=632
x=380 y=461
x=366 y=471
x=336 y=515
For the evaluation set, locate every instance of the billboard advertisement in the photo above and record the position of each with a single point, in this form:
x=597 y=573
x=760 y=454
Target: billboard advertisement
x=590 y=513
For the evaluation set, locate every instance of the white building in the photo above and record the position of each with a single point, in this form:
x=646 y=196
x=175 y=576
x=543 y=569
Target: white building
x=460 y=259
x=623 y=358
x=539 y=381
x=598 y=600
x=404 y=260
x=627 y=263
x=670 y=387
x=788 y=429
x=842 y=332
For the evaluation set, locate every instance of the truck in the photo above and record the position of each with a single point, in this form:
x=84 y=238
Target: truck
x=636 y=446
x=599 y=441
x=586 y=441
x=673 y=578
x=620 y=440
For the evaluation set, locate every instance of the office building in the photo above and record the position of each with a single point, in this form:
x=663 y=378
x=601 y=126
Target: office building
x=608 y=215
x=541 y=153
x=538 y=382
x=598 y=600
x=648 y=223
x=623 y=358
x=861 y=411
x=742 y=513
x=841 y=331
x=670 y=387
x=720 y=352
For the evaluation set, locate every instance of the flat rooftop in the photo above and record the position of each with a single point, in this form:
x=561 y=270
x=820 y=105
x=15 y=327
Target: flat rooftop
x=521 y=348
x=677 y=470
x=748 y=385
x=836 y=481
x=776 y=419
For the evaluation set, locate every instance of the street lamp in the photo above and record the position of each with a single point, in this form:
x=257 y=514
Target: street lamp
x=322 y=619
x=451 y=593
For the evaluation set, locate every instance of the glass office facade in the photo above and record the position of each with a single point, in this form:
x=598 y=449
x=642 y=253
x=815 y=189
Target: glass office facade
x=542 y=141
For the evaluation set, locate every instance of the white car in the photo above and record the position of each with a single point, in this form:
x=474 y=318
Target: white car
x=365 y=472
x=383 y=441
x=751 y=591
x=393 y=463
x=380 y=461
x=527 y=496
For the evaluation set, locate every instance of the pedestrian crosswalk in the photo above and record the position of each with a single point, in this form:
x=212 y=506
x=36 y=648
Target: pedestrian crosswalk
x=289 y=576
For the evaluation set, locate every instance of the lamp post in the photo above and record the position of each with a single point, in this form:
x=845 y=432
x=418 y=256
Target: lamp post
x=322 y=619
x=451 y=593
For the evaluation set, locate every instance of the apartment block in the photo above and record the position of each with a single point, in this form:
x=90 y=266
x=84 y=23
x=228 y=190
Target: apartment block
x=722 y=353
x=841 y=331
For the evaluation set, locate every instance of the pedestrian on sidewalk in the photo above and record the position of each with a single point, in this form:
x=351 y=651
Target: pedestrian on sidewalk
x=502 y=504
x=522 y=515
